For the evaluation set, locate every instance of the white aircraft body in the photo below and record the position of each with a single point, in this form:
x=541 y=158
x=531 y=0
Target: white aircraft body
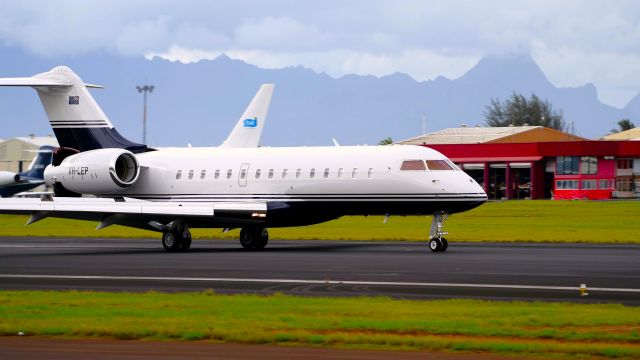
x=236 y=185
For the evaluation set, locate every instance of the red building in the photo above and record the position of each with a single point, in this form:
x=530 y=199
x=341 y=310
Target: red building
x=561 y=166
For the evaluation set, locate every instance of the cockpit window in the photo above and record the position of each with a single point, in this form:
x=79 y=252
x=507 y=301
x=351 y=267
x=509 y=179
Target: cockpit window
x=413 y=165
x=438 y=165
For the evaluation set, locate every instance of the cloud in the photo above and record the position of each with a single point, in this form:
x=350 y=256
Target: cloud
x=575 y=41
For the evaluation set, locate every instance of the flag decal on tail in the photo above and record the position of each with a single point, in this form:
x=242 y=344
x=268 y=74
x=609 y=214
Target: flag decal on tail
x=74 y=100
x=250 y=122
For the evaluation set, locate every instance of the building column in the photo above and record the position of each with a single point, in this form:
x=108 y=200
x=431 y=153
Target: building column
x=508 y=187
x=486 y=178
x=534 y=181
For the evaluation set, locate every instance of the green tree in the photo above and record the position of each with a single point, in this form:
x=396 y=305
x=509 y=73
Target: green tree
x=517 y=110
x=385 y=141
x=623 y=125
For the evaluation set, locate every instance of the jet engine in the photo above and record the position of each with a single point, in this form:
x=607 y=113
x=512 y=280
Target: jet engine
x=102 y=171
x=7 y=177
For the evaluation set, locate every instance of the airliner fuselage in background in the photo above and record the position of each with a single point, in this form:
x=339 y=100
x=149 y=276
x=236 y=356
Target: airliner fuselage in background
x=173 y=189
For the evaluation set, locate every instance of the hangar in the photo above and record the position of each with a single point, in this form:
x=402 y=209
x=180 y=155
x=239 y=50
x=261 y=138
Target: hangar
x=534 y=162
x=16 y=153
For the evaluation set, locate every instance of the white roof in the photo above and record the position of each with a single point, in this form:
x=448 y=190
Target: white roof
x=39 y=140
x=467 y=135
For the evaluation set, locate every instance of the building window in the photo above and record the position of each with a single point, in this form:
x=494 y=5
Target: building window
x=588 y=165
x=178 y=174
x=567 y=165
x=284 y=173
x=298 y=172
x=413 y=165
x=604 y=183
x=216 y=175
x=229 y=173
x=340 y=173
x=588 y=184
x=190 y=174
x=270 y=176
x=624 y=184
x=258 y=173
x=312 y=173
x=370 y=173
x=354 y=173
x=203 y=173
x=624 y=164
x=567 y=184
x=438 y=165
x=326 y=173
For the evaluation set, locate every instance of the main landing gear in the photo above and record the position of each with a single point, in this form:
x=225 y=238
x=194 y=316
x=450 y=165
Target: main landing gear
x=254 y=238
x=437 y=242
x=176 y=239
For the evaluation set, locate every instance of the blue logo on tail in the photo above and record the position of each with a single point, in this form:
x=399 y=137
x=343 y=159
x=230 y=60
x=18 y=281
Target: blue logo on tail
x=251 y=123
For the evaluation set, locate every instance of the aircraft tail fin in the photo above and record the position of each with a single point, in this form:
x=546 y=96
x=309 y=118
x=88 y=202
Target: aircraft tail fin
x=247 y=132
x=36 y=168
x=77 y=120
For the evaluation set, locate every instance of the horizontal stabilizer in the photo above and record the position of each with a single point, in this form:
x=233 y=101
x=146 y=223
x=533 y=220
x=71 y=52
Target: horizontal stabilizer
x=40 y=82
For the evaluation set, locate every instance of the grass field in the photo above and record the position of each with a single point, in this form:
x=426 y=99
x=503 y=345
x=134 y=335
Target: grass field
x=533 y=328
x=547 y=221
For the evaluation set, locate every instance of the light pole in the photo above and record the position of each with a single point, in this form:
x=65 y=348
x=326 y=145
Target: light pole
x=144 y=89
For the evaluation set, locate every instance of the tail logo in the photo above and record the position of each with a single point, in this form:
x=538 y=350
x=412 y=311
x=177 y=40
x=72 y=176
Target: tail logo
x=250 y=123
x=74 y=100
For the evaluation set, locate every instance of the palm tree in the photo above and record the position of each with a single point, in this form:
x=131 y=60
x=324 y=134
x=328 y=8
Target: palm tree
x=386 y=141
x=623 y=125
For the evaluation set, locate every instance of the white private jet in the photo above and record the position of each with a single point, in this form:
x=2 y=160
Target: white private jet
x=236 y=185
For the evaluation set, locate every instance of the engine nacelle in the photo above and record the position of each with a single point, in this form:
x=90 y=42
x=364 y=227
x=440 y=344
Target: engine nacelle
x=7 y=177
x=102 y=171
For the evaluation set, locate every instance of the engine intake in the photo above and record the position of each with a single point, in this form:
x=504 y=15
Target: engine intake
x=101 y=171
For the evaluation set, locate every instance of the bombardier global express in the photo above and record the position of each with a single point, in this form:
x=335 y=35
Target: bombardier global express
x=236 y=185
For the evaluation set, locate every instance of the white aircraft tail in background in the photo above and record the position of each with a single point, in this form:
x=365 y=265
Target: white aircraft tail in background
x=248 y=130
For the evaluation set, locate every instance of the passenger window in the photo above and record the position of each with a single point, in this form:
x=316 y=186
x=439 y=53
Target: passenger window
x=340 y=173
x=270 y=174
x=298 y=172
x=229 y=173
x=243 y=173
x=257 y=173
x=370 y=173
x=284 y=173
x=216 y=175
x=413 y=165
x=190 y=174
x=203 y=173
x=354 y=173
x=178 y=174
x=326 y=173
x=312 y=173
x=438 y=165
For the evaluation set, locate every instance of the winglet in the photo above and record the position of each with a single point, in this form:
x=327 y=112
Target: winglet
x=248 y=130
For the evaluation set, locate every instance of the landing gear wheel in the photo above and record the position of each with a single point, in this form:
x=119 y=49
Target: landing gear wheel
x=435 y=245
x=445 y=244
x=254 y=238
x=186 y=240
x=170 y=241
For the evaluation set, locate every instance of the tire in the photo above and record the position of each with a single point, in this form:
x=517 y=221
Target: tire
x=435 y=245
x=246 y=238
x=445 y=245
x=170 y=241
x=186 y=240
x=262 y=238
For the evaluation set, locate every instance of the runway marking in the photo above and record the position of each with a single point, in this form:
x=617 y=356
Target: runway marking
x=318 y=282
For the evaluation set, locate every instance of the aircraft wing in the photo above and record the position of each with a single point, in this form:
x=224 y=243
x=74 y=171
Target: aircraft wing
x=247 y=132
x=150 y=215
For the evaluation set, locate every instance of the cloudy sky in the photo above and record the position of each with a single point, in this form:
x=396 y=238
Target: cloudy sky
x=574 y=42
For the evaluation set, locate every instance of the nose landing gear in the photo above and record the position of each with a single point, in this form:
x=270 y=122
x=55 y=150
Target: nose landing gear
x=437 y=242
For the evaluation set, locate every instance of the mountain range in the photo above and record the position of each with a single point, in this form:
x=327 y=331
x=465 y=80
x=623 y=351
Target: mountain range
x=198 y=103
